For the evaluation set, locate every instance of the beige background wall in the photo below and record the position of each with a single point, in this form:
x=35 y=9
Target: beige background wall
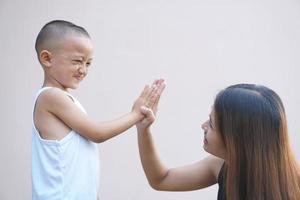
x=198 y=46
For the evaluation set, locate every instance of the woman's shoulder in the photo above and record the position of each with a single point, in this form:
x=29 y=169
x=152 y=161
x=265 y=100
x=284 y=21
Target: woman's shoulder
x=215 y=164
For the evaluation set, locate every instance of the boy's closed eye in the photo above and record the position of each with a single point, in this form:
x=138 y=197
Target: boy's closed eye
x=77 y=61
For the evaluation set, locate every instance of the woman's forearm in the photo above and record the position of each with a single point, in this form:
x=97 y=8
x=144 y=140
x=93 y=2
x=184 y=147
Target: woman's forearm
x=154 y=169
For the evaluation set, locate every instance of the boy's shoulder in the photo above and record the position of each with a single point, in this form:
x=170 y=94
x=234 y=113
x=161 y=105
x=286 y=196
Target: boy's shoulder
x=51 y=107
x=53 y=97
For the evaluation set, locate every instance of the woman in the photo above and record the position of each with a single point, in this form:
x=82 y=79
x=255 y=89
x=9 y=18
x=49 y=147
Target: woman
x=248 y=139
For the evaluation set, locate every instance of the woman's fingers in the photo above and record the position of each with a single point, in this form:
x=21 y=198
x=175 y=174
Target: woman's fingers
x=148 y=113
x=151 y=94
x=159 y=92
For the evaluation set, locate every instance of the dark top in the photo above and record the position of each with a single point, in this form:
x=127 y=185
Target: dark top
x=221 y=182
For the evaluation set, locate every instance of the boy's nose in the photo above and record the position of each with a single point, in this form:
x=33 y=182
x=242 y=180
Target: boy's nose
x=82 y=70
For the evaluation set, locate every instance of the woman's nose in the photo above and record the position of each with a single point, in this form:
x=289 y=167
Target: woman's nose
x=204 y=126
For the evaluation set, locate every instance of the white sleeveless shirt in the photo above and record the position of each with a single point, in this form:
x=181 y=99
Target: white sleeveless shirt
x=67 y=169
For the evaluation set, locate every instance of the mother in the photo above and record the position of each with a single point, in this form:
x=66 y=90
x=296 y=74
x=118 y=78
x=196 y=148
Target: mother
x=248 y=138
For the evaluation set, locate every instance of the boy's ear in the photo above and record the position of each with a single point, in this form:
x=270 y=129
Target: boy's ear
x=46 y=58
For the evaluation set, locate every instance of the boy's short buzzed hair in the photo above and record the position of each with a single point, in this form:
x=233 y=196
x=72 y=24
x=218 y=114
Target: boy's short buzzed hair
x=57 y=29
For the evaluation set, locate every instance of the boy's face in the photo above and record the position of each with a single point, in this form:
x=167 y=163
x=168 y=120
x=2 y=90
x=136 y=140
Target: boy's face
x=70 y=61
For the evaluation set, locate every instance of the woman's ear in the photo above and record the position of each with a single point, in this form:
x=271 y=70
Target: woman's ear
x=46 y=58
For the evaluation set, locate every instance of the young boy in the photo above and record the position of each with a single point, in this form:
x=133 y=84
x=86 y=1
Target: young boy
x=64 y=150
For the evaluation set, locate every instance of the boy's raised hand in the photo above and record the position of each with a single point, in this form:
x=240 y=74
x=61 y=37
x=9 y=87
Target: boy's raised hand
x=149 y=96
x=150 y=109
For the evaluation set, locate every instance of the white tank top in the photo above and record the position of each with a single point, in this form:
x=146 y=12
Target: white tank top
x=67 y=169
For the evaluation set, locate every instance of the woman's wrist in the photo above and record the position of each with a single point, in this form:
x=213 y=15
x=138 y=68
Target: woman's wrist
x=143 y=128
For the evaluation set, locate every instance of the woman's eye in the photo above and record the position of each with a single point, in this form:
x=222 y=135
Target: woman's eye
x=210 y=125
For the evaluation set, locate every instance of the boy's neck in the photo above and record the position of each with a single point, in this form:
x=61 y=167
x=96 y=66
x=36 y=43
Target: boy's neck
x=47 y=84
x=49 y=81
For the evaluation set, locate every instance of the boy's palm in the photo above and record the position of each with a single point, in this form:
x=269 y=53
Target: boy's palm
x=145 y=99
x=150 y=109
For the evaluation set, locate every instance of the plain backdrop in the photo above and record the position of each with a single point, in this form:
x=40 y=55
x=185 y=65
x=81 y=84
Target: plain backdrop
x=198 y=46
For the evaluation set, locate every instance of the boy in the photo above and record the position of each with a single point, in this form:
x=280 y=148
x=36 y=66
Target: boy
x=64 y=153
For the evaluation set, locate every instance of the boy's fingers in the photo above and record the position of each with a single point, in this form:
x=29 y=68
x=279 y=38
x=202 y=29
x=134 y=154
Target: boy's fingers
x=145 y=91
x=152 y=99
x=155 y=82
x=152 y=89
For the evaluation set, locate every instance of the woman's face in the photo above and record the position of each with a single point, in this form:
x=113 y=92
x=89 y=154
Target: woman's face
x=213 y=142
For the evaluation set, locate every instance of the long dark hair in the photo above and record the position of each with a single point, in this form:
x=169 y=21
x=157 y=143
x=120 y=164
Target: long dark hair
x=259 y=162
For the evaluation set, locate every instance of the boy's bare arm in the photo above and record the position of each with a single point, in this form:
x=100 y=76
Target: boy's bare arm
x=62 y=107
